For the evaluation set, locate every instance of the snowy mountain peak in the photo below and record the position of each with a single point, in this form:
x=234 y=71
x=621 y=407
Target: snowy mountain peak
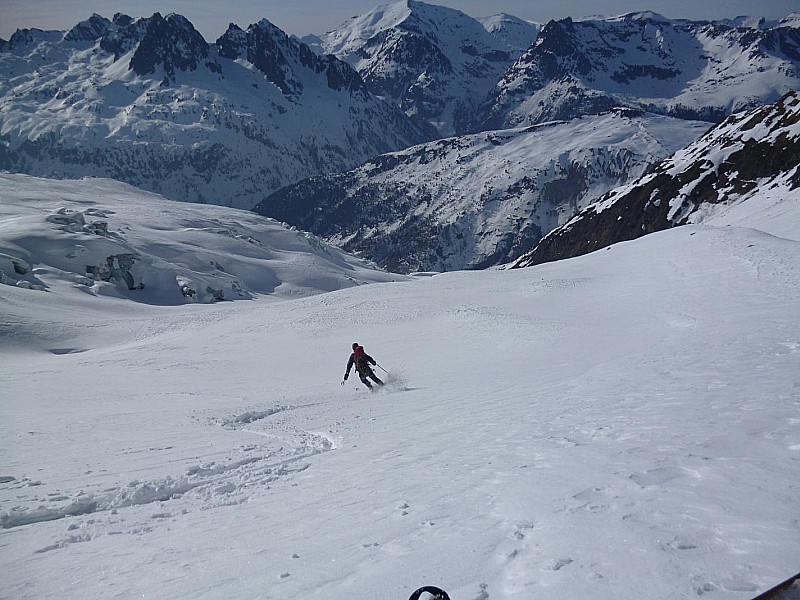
x=233 y=43
x=749 y=22
x=90 y=30
x=499 y=20
x=280 y=58
x=792 y=20
x=675 y=67
x=267 y=48
x=154 y=105
x=170 y=43
x=435 y=62
x=378 y=19
x=435 y=23
x=122 y=19
x=512 y=31
x=646 y=15
x=23 y=38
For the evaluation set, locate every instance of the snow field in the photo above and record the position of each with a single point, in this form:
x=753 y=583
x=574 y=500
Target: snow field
x=622 y=425
x=107 y=238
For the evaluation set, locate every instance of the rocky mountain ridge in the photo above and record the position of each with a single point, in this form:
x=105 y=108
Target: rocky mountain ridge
x=750 y=153
x=697 y=70
x=149 y=102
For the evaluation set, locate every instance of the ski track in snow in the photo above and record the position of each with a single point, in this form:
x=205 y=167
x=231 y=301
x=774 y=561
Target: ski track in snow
x=214 y=483
x=251 y=469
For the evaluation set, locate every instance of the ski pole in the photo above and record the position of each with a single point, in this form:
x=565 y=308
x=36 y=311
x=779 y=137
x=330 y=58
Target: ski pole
x=381 y=368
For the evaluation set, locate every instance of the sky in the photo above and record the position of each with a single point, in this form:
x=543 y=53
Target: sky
x=303 y=17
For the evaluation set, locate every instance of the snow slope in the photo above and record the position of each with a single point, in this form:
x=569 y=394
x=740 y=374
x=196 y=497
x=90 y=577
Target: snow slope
x=103 y=237
x=619 y=425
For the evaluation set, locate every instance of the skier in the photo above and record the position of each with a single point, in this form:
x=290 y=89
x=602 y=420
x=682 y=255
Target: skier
x=362 y=362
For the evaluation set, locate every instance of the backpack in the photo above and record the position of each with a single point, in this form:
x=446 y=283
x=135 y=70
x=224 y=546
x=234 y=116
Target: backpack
x=360 y=359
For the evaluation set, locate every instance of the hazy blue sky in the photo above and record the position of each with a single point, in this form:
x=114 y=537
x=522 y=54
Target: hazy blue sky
x=301 y=17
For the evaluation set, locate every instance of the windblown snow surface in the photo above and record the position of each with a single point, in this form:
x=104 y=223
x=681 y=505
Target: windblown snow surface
x=621 y=425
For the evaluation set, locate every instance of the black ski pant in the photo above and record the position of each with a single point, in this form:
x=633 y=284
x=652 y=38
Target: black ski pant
x=371 y=375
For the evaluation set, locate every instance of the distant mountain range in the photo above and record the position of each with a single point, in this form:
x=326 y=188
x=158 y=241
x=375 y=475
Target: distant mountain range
x=348 y=143
x=692 y=70
x=482 y=199
x=149 y=102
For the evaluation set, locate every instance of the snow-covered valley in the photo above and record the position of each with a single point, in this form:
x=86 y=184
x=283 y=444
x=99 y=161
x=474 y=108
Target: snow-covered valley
x=480 y=200
x=625 y=424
